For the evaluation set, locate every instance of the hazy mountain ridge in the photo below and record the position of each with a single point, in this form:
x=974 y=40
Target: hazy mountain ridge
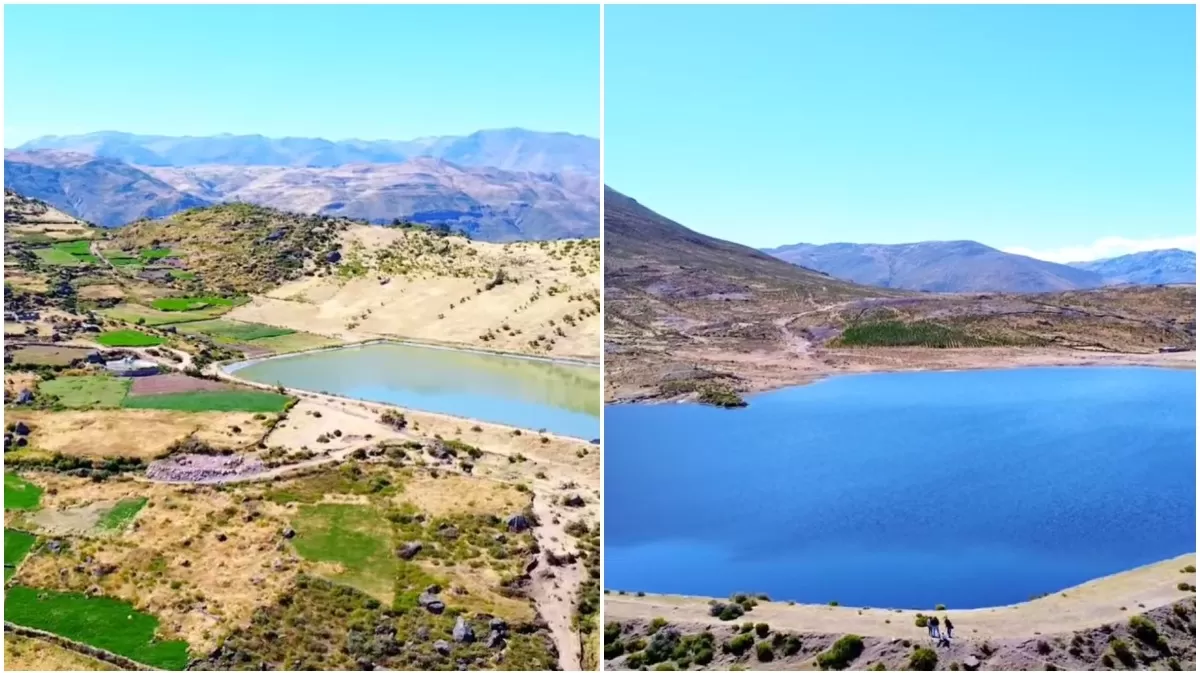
x=97 y=189
x=488 y=203
x=938 y=266
x=1145 y=268
x=509 y=149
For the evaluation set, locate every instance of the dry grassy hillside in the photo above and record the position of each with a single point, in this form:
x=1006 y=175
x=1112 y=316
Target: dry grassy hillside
x=238 y=247
x=539 y=298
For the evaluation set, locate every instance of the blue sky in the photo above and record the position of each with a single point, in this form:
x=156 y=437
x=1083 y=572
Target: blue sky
x=337 y=72
x=1065 y=132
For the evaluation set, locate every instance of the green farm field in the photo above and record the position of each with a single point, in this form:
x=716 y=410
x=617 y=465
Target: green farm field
x=102 y=622
x=227 y=330
x=87 y=392
x=128 y=338
x=255 y=401
x=20 y=494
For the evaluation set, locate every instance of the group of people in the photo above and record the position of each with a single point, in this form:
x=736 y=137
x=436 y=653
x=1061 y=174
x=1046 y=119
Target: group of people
x=935 y=631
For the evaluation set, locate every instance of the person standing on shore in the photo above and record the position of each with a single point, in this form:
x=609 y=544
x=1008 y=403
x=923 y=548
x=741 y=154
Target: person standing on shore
x=949 y=629
x=933 y=627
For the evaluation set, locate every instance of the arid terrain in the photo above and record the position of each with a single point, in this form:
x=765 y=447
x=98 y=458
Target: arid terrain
x=1144 y=618
x=687 y=311
x=182 y=517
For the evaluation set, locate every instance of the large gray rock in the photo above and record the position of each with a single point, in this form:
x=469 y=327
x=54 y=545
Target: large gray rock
x=408 y=550
x=431 y=602
x=518 y=523
x=442 y=647
x=463 y=633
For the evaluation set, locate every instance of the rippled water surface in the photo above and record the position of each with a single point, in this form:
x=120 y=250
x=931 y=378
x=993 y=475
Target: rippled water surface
x=970 y=489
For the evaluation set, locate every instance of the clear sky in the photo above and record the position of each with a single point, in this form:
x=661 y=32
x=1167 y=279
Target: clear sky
x=336 y=72
x=1062 y=131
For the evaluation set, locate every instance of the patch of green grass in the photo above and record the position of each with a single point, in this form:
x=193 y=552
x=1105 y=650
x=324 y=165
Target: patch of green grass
x=183 y=275
x=919 y=333
x=190 y=303
x=87 y=392
x=17 y=544
x=102 y=622
x=122 y=514
x=144 y=315
x=297 y=341
x=229 y=331
x=154 y=253
x=20 y=494
x=355 y=536
x=128 y=338
x=56 y=257
x=212 y=400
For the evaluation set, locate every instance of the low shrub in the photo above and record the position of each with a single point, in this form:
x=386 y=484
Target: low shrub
x=844 y=651
x=922 y=659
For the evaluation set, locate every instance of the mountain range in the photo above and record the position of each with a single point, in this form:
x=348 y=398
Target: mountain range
x=968 y=266
x=485 y=201
x=509 y=149
x=1146 y=268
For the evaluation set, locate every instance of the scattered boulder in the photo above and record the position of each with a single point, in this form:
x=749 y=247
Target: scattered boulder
x=518 y=523
x=333 y=257
x=25 y=396
x=498 y=625
x=289 y=533
x=221 y=537
x=20 y=429
x=55 y=546
x=971 y=662
x=448 y=532
x=442 y=647
x=463 y=633
x=496 y=640
x=408 y=550
x=422 y=633
x=430 y=602
x=573 y=500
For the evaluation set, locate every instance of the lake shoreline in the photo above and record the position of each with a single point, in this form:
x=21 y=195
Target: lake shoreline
x=760 y=373
x=221 y=371
x=1093 y=603
x=230 y=366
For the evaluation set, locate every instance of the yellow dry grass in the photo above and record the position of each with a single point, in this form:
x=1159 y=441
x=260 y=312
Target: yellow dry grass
x=15 y=382
x=140 y=433
x=455 y=494
x=30 y=654
x=419 y=287
x=105 y=291
x=171 y=562
x=25 y=281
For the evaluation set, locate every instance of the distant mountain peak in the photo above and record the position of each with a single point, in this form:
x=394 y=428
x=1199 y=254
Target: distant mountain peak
x=937 y=266
x=514 y=149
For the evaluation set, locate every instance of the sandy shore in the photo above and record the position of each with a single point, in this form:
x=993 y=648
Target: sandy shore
x=1105 y=600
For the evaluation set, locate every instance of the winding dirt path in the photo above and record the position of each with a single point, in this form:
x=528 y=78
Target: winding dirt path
x=1105 y=600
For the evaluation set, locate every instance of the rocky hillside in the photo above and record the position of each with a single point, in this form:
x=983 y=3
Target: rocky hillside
x=20 y=209
x=508 y=149
x=938 y=266
x=240 y=247
x=105 y=191
x=1161 y=639
x=1145 y=268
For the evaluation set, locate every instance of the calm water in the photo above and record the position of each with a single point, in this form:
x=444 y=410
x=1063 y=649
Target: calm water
x=527 y=393
x=970 y=489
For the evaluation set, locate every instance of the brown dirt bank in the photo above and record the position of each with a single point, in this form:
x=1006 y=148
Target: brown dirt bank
x=636 y=376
